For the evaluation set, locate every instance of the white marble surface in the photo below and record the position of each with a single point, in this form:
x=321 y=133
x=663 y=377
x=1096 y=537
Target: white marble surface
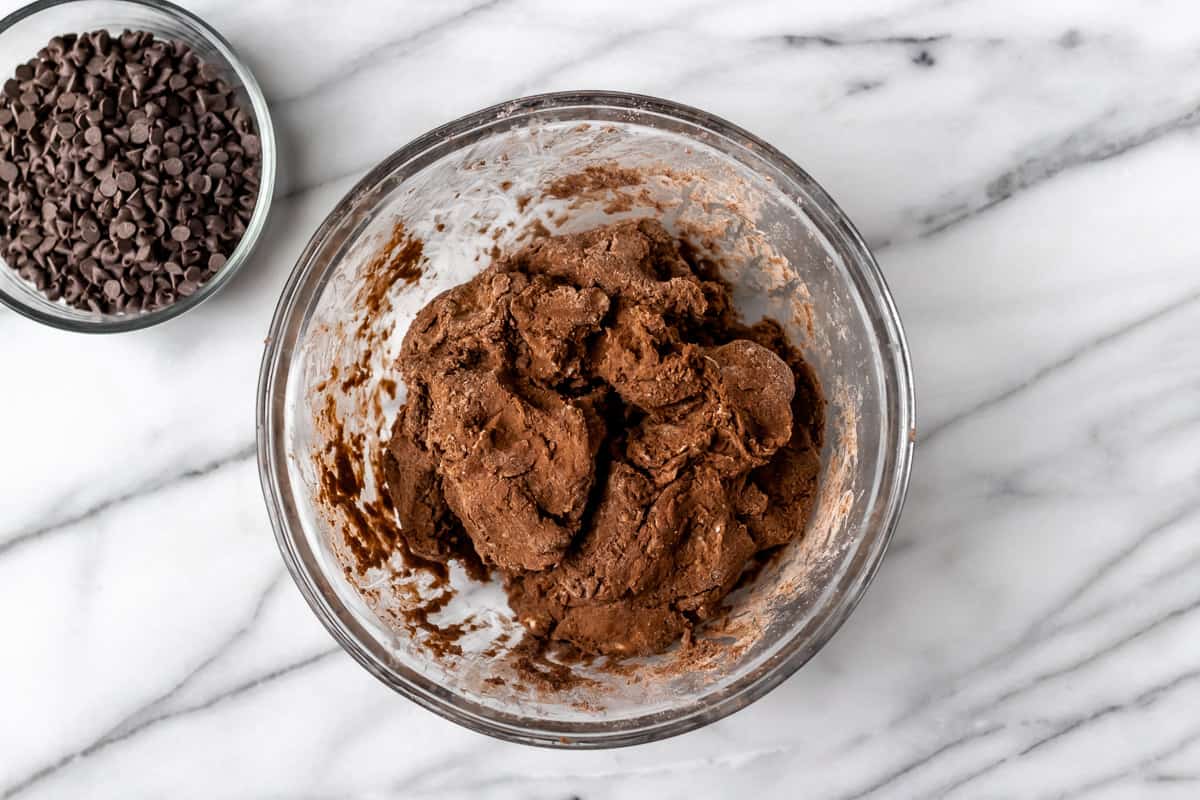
x=1027 y=173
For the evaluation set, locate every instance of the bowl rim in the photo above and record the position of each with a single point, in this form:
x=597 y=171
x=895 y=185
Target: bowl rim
x=289 y=318
x=84 y=322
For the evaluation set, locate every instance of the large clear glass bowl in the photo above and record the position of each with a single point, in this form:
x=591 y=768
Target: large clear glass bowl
x=28 y=29
x=479 y=183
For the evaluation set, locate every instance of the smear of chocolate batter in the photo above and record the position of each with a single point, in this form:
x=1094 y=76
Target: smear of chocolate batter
x=590 y=418
x=596 y=178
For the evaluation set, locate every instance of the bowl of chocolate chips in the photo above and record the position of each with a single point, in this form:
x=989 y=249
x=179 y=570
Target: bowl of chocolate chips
x=137 y=161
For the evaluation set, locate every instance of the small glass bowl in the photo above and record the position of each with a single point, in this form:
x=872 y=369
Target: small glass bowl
x=478 y=184
x=27 y=30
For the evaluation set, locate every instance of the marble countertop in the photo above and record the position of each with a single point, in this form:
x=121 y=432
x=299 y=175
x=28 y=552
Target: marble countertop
x=1027 y=179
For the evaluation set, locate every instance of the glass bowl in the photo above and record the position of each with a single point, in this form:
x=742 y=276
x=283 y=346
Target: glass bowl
x=27 y=30
x=475 y=186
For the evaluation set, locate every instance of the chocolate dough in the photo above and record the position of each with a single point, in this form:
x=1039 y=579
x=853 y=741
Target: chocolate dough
x=592 y=416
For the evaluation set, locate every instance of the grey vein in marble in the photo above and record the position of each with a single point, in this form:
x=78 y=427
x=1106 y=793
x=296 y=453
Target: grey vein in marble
x=1084 y=350
x=1147 y=698
x=141 y=717
x=1138 y=768
x=118 y=736
x=951 y=745
x=835 y=40
x=1072 y=152
x=31 y=534
x=389 y=51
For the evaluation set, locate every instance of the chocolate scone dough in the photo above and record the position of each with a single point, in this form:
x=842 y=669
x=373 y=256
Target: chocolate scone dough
x=591 y=418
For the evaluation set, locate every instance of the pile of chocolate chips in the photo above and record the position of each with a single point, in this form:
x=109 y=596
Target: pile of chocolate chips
x=128 y=172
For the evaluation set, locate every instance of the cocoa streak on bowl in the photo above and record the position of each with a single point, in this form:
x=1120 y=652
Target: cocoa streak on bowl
x=593 y=180
x=371 y=534
x=398 y=260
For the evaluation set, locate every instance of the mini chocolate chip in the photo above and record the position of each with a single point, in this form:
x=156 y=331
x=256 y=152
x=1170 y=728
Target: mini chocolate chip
x=181 y=233
x=126 y=181
x=90 y=270
x=216 y=261
x=173 y=166
x=90 y=232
